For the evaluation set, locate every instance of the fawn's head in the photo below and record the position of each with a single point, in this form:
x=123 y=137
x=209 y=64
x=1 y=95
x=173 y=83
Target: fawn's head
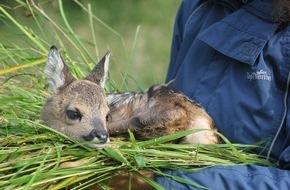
x=78 y=108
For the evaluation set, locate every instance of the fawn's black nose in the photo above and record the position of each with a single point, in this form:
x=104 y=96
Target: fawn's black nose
x=101 y=136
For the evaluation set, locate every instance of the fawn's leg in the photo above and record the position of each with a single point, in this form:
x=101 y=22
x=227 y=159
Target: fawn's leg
x=158 y=115
x=155 y=116
x=122 y=126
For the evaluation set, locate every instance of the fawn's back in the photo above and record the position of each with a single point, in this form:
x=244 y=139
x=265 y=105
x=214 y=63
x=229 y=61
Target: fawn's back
x=158 y=112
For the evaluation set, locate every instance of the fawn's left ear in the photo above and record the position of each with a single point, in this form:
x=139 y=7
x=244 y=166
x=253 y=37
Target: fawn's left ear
x=99 y=73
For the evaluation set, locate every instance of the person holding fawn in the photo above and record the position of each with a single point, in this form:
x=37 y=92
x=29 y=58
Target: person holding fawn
x=234 y=58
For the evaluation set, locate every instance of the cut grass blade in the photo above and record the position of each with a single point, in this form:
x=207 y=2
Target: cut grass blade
x=29 y=36
x=130 y=58
x=22 y=66
x=150 y=181
x=73 y=33
x=93 y=32
x=103 y=24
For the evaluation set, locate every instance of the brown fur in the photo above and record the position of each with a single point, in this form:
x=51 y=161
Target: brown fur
x=158 y=112
x=83 y=95
x=79 y=108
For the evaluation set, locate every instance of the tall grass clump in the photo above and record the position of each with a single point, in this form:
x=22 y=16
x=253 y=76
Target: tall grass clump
x=33 y=156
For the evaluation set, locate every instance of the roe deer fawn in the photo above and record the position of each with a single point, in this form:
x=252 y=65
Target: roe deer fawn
x=81 y=110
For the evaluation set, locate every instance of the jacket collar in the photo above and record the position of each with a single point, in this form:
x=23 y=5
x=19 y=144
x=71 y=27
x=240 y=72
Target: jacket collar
x=230 y=4
x=243 y=34
x=261 y=8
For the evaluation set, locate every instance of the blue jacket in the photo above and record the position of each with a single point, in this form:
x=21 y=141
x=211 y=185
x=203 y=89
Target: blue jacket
x=233 y=59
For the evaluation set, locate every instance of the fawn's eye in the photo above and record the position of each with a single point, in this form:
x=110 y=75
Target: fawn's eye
x=108 y=118
x=74 y=114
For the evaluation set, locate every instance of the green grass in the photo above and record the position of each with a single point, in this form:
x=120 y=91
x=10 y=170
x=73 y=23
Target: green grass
x=33 y=156
x=32 y=148
x=138 y=33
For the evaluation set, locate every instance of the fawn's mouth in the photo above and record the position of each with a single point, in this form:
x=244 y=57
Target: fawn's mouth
x=97 y=138
x=97 y=144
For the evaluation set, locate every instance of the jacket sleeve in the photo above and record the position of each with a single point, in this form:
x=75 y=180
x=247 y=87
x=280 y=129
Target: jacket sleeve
x=250 y=177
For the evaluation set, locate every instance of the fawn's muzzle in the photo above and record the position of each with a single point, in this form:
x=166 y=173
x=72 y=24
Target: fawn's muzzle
x=96 y=135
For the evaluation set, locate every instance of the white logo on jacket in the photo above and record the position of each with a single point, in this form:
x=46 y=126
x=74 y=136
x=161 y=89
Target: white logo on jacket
x=259 y=75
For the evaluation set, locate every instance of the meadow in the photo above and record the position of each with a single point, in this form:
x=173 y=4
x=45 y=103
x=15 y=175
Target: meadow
x=138 y=34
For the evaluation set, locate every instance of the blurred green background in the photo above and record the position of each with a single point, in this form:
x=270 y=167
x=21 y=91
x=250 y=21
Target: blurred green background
x=137 y=32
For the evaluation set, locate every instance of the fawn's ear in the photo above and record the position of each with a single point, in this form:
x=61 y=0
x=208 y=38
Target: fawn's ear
x=57 y=73
x=99 y=73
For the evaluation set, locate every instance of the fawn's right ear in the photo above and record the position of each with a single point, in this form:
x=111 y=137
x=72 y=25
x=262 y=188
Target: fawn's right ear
x=99 y=73
x=57 y=73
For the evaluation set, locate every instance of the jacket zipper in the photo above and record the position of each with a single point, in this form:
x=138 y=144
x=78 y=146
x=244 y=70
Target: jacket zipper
x=283 y=118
